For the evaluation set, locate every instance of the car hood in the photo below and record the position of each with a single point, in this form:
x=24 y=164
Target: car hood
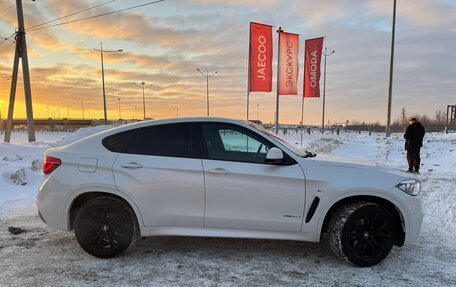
x=339 y=174
x=337 y=161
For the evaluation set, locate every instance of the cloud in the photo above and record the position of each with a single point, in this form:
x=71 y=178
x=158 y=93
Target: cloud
x=235 y=3
x=165 y=43
x=419 y=13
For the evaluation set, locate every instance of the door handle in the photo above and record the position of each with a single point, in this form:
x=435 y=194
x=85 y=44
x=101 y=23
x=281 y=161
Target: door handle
x=218 y=171
x=131 y=165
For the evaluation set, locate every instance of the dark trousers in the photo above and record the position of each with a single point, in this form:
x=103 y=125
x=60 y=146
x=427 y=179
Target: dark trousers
x=413 y=158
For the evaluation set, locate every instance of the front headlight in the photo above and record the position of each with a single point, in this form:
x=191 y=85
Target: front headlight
x=410 y=186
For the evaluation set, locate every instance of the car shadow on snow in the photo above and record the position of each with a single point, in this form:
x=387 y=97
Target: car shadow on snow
x=209 y=248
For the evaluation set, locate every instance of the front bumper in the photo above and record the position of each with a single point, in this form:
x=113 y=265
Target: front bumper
x=412 y=211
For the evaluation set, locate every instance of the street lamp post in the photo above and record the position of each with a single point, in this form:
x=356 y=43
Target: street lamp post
x=102 y=77
x=258 y=112
x=51 y=112
x=120 y=115
x=68 y=109
x=324 y=90
x=207 y=85
x=176 y=108
x=143 y=86
x=82 y=106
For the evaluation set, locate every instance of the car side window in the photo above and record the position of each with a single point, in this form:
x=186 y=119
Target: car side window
x=118 y=142
x=233 y=143
x=171 y=140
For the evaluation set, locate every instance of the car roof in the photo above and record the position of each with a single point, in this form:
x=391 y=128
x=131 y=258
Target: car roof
x=179 y=120
x=148 y=123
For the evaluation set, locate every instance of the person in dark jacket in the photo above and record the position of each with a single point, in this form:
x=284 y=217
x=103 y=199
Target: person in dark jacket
x=413 y=136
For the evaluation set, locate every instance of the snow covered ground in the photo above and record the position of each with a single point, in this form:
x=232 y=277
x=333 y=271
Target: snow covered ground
x=43 y=256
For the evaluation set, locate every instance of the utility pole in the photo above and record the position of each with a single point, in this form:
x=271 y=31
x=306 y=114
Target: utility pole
x=104 y=89
x=324 y=90
x=143 y=86
x=21 y=52
x=390 y=88
x=103 y=78
x=207 y=85
x=403 y=120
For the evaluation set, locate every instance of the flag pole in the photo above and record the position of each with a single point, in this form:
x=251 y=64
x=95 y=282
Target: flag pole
x=278 y=85
x=248 y=79
x=302 y=117
x=303 y=91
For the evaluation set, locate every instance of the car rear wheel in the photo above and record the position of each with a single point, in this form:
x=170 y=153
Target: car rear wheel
x=362 y=233
x=104 y=227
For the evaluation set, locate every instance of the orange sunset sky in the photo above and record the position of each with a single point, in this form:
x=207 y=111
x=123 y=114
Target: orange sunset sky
x=164 y=44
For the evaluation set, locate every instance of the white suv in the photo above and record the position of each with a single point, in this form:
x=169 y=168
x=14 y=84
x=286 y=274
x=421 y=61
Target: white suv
x=223 y=178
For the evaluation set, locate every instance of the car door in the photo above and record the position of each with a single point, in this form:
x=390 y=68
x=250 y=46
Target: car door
x=242 y=191
x=162 y=170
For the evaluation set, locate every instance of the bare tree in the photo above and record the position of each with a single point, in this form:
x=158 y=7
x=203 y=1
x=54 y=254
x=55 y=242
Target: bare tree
x=440 y=117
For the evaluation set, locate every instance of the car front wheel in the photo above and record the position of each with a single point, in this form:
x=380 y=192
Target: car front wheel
x=362 y=233
x=104 y=228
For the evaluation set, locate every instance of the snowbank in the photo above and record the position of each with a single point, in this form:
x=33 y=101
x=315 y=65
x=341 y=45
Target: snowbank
x=43 y=256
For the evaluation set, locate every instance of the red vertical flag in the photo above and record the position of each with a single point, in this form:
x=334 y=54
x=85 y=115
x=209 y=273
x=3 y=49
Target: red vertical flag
x=312 y=71
x=288 y=64
x=260 y=65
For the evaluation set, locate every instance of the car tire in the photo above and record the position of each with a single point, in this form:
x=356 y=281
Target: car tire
x=104 y=227
x=362 y=233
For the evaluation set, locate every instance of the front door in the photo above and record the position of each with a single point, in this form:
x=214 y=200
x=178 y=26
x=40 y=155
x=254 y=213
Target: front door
x=242 y=191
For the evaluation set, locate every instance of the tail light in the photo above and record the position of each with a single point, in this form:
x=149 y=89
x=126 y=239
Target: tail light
x=50 y=164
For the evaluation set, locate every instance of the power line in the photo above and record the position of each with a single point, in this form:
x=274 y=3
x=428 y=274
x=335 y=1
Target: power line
x=3 y=11
x=69 y=15
x=11 y=44
x=97 y=16
x=8 y=38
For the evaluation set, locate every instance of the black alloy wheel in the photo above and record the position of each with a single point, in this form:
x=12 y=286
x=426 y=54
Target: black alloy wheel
x=104 y=228
x=364 y=234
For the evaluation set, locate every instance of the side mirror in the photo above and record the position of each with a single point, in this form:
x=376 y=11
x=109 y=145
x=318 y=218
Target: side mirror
x=274 y=156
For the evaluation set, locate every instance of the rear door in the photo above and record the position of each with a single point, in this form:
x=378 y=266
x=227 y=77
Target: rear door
x=242 y=191
x=162 y=170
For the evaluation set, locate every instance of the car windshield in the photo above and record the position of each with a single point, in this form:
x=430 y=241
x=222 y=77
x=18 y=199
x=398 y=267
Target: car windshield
x=291 y=147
